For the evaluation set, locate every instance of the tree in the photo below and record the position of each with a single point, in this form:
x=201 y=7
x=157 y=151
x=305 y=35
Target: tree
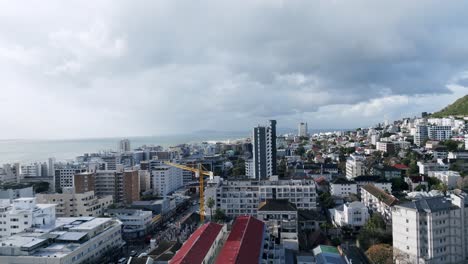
x=210 y=204
x=239 y=168
x=300 y=151
x=433 y=182
x=375 y=222
x=219 y=215
x=327 y=200
x=451 y=145
x=41 y=187
x=282 y=168
x=442 y=187
x=413 y=167
x=398 y=184
x=380 y=254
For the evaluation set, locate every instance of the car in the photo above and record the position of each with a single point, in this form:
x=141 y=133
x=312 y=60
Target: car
x=133 y=253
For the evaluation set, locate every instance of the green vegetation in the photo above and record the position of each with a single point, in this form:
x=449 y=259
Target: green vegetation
x=326 y=200
x=210 y=204
x=450 y=144
x=219 y=215
x=380 y=254
x=239 y=168
x=374 y=232
x=150 y=197
x=458 y=108
x=300 y=151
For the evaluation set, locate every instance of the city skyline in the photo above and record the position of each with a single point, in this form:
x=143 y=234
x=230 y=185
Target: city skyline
x=108 y=69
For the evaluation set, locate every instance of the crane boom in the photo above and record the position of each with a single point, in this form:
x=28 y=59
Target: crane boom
x=199 y=172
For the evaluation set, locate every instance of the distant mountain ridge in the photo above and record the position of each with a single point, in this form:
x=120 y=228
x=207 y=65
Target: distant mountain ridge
x=458 y=108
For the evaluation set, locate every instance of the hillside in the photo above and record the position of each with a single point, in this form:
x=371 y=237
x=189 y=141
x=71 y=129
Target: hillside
x=458 y=108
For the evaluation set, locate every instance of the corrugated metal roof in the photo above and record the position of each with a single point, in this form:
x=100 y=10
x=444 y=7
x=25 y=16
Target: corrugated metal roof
x=194 y=250
x=245 y=242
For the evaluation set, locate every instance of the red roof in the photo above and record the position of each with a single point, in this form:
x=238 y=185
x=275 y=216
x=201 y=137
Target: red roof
x=245 y=242
x=401 y=166
x=194 y=250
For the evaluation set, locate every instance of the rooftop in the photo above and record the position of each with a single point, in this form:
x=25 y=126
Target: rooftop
x=194 y=250
x=380 y=194
x=430 y=204
x=277 y=205
x=244 y=243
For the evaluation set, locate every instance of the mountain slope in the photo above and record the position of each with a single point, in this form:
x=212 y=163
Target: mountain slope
x=458 y=108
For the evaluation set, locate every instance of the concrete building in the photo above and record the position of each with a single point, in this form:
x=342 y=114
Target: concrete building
x=24 y=213
x=329 y=255
x=202 y=245
x=421 y=135
x=353 y=214
x=439 y=133
x=12 y=194
x=386 y=147
x=124 y=145
x=72 y=204
x=427 y=167
x=431 y=230
x=378 y=182
x=135 y=223
x=32 y=170
x=124 y=186
x=249 y=169
x=68 y=241
x=355 y=166
x=281 y=219
x=242 y=197
x=245 y=243
x=449 y=178
x=166 y=179
x=302 y=130
x=378 y=201
x=264 y=150
x=84 y=182
x=341 y=187
x=65 y=173
x=145 y=180
x=8 y=173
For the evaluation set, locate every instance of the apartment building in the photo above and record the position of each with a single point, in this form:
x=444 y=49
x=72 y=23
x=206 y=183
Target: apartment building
x=123 y=185
x=71 y=240
x=24 y=213
x=353 y=214
x=378 y=201
x=242 y=197
x=431 y=230
x=73 y=204
x=264 y=150
x=166 y=179
x=65 y=173
x=342 y=187
x=281 y=219
x=427 y=167
x=449 y=178
x=135 y=223
x=355 y=166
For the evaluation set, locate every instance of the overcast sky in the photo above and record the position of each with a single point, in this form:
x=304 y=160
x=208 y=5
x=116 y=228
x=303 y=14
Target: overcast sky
x=126 y=68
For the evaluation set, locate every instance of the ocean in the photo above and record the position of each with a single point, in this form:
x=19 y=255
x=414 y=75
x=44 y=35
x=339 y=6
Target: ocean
x=26 y=151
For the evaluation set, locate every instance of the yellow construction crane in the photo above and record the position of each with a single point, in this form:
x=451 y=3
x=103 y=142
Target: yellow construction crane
x=199 y=172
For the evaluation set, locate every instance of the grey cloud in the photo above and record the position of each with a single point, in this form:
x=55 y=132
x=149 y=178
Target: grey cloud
x=152 y=67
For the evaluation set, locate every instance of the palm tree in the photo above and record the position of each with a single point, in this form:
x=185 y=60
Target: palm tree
x=210 y=203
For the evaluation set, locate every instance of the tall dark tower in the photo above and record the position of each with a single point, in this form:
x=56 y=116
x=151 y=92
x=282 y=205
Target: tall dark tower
x=264 y=150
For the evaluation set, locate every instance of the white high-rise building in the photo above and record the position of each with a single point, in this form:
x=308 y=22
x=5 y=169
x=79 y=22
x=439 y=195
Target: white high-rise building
x=124 y=145
x=353 y=214
x=23 y=213
x=439 y=133
x=302 y=130
x=31 y=170
x=165 y=178
x=431 y=230
x=249 y=169
x=243 y=197
x=264 y=150
x=355 y=166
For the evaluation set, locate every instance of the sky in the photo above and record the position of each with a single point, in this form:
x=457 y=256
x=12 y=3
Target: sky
x=76 y=69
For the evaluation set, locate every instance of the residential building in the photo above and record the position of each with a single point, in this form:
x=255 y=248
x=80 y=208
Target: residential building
x=145 y=180
x=421 y=135
x=386 y=147
x=245 y=243
x=439 y=133
x=249 y=169
x=8 y=173
x=353 y=214
x=378 y=182
x=466 y=142
x=124 y=145
x=378 y=201
x=242 y=197
x=24 y=213
x=426 y=167
x=12 y=194
x=384 y=171
x=449 y=178
x=431 y=230
x=135 y=223
x=65 y=173
x=281 y=219
x=264 y=150
x=328 y=255
x=302 y=130
x=123 y=185
x=130 y=187
x=355 y=166
x=166 y=179
x=75 y=240
x=84 y=182
x=202 y=245
x=342 y=187
x=32 y=170
x=73 y=204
